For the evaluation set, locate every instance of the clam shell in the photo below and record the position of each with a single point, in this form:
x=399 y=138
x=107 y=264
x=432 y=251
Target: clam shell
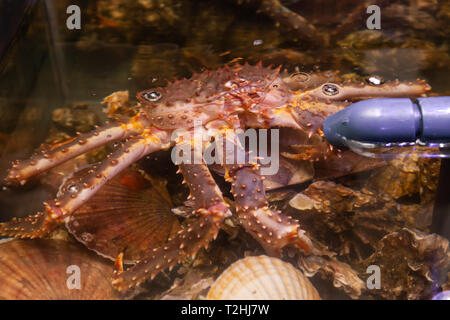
x=262 y=278
x=39 y=270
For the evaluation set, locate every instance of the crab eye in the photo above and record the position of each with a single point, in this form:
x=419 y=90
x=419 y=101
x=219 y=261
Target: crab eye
x=152 y=96
x=330 y=89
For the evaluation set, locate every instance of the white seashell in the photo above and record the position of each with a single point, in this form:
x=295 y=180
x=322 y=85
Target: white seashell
x=262 y=278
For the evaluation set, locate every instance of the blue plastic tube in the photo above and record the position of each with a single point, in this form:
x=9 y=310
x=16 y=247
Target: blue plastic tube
x=393 y=120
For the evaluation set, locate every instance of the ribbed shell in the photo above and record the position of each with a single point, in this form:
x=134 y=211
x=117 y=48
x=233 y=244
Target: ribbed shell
x=37 y=270
x=125 y=215
x=262 y=278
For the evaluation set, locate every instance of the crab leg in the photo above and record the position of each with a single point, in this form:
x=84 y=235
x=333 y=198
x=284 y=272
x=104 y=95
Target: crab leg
x=269 y=227
x=61 y=208
x=286 y=17
x=211 y=210
x=51 y=157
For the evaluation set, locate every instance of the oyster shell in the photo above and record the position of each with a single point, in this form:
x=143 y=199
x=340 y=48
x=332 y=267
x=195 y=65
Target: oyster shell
x=262 y=278
x=406 y=175
x=414 y=264
x=39 y=270
x=341 y=274
x=354 y=220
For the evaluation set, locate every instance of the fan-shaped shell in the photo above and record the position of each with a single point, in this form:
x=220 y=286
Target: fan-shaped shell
x=262 y=278
x=125 y=216
x=40 y=270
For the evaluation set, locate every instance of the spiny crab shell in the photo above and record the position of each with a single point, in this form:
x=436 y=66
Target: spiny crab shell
x=230 y=98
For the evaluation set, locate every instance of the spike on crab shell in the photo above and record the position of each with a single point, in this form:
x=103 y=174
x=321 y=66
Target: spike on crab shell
x=262 y=278
x=39 y=270
x=118 y=263
x=127 y=216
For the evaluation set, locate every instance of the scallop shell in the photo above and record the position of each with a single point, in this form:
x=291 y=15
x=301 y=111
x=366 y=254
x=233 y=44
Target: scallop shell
x=41 y=270
x=262 y=278
x=127 y=215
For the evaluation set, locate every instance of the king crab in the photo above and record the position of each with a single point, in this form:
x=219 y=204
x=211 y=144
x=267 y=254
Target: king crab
x=231 y=98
